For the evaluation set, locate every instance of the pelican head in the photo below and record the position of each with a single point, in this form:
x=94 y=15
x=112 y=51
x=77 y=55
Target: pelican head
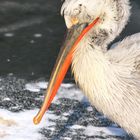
x=113 y=15
x=81 y=11
x=92 y=25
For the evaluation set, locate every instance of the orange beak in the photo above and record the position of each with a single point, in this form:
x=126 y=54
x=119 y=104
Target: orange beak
x=63 y=62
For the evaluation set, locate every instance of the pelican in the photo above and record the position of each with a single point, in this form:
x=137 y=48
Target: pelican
x=109 y=77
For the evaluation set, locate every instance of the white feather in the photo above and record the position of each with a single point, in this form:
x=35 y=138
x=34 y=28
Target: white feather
x=111 y=78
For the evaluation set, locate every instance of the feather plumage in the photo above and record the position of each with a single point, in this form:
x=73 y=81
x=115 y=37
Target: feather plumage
x=109 y=78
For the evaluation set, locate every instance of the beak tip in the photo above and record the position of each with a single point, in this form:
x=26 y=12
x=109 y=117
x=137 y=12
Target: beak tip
x=36 y=120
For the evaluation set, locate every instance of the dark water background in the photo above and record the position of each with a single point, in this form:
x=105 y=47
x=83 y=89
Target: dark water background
x=31 y=33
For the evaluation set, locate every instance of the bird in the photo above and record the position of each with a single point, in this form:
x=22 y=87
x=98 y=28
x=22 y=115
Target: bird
x=108 y=76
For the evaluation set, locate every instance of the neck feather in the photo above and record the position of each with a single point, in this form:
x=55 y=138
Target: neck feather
x=113 y=20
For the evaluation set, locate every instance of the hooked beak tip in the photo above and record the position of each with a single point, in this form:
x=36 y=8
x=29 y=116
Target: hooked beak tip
x=37 y=120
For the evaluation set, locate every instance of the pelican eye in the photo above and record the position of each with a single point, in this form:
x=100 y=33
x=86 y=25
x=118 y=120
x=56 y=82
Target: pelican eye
x=76 y=11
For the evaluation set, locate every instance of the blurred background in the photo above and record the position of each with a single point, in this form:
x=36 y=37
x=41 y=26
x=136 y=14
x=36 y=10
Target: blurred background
x=31 y=34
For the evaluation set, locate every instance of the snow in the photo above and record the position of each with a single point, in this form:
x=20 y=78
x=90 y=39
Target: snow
x=104 y=131
x=90 y=108
x=68 y=85
x=42 y=84
x=67 y=90
x=77 y=127
x=32 y=87
x=6 y=99
x=19 y=126
x=36 y=87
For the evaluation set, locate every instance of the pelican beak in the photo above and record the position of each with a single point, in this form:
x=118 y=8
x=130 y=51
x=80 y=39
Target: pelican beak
x=74 y=36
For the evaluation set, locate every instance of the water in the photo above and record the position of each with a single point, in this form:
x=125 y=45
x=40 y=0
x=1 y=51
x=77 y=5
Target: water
x=31 y=33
